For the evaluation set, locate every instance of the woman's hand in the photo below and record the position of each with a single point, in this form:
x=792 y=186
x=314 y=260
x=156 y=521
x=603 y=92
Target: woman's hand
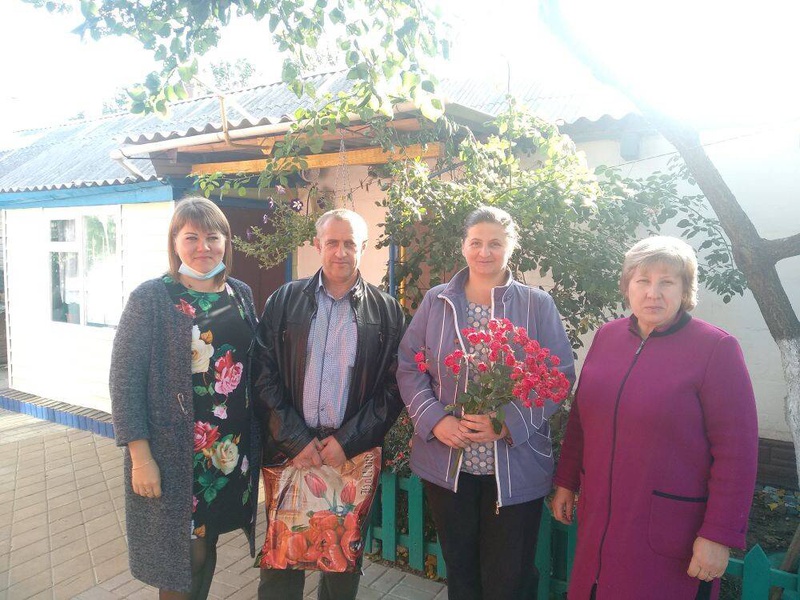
x=709 y=559
x=563 y=505
x=448 y=431
x=146 y=479
x=478 y=428
x=145 y=474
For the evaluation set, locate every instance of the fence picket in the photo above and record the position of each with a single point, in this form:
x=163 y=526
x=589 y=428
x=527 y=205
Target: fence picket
x=555 y=551
x=755 y=577
x=389 y=516
x=416 y=525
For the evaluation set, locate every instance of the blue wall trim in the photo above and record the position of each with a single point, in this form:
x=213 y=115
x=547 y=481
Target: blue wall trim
x=64 y=414
x=129 y=193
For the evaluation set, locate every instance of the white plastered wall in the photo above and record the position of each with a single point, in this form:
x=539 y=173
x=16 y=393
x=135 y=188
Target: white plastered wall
x=63 y=361
x=374 y=262
x=762 y=168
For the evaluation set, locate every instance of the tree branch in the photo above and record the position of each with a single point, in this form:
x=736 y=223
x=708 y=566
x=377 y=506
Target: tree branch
x=749 y=251
x=782 y=248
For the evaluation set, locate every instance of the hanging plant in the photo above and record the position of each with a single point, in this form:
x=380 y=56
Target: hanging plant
x=287 y=228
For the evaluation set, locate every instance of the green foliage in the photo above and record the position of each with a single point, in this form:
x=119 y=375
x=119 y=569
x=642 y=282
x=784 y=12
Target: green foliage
x=288 y=229
x=229 y=75
x=385 y=45
x=574 y=227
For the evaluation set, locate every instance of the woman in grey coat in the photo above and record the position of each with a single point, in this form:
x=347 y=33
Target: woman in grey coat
x=182 y=410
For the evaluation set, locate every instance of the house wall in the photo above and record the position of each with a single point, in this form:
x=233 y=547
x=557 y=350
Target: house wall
x=64 y=361
x=762 y=169
x=374 y=262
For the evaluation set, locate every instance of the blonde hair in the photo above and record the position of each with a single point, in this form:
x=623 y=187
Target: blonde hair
x=663 y=249
x=206 y=216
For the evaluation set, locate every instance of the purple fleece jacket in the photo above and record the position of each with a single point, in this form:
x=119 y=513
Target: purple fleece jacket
x=662 y=442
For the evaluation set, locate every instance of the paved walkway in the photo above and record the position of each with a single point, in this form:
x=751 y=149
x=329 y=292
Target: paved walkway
x=62 y=523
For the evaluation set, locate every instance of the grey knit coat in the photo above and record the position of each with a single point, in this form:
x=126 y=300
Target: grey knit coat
x=151 y=398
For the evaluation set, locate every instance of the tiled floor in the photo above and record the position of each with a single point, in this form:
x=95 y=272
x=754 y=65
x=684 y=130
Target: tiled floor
x=62 y=523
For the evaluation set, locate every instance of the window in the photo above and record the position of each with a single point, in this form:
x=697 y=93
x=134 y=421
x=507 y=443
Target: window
x=86 y=279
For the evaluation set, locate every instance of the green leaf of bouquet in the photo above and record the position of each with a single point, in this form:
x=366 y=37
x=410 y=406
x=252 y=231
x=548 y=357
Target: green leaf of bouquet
x=497 y=426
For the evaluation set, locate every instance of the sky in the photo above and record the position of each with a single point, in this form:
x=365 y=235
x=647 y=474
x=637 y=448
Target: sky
x=703 y=59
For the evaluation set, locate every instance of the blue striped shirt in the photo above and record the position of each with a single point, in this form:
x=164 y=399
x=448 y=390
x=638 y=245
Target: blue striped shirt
x=330 y=357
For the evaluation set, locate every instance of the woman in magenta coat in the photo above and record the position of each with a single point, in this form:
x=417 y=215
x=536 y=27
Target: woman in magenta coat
x=661 y=442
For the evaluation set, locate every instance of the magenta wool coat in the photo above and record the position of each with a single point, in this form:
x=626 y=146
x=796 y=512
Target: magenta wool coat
x=662 y=443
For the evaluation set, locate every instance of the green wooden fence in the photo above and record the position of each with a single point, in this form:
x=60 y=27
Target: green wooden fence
x=398 y=521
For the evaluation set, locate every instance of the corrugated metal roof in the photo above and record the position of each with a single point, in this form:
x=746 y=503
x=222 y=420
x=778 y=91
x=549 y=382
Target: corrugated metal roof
x=72 y=155
x=76 y=154
x=561 y=103
x=267 y=104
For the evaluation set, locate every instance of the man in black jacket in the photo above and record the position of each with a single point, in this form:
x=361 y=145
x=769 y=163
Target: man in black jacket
x=324 y=373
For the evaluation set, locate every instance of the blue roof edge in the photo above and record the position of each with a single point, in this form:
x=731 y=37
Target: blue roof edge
x=127 y=193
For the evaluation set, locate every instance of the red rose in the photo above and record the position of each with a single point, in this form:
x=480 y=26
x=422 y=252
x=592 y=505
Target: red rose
x=419 y=357
x=227 y=373
x=204 y=435
x=185 y=308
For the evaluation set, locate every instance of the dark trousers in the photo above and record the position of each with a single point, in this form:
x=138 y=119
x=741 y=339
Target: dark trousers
x=276 y=584
x=489 y=556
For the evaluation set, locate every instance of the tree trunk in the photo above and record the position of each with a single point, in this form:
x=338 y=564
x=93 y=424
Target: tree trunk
x=755 y=256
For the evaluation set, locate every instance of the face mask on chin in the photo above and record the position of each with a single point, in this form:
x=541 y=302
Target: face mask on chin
x=190 y=272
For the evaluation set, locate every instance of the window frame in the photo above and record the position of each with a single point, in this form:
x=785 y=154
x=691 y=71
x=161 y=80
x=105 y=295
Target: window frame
x=78 y=246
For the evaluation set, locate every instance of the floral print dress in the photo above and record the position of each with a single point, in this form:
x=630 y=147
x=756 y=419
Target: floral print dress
x=220 y=340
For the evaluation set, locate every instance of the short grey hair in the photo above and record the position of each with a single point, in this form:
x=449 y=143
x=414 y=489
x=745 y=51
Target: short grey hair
x=357 y=222
x=492 y=214
x=667 y=250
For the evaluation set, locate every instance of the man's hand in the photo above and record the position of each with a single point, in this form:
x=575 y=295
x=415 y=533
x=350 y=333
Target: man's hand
x=309 y=456
x=709 y=559
x=332 y=453
x=448 y=431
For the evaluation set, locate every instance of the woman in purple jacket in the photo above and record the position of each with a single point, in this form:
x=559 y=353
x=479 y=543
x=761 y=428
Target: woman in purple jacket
x=661 y=442
x=486 y=501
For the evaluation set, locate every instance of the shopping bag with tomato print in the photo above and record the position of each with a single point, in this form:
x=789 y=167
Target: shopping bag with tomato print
x=316 y=516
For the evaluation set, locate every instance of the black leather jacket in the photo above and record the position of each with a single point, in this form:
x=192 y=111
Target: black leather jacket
x=279 y=368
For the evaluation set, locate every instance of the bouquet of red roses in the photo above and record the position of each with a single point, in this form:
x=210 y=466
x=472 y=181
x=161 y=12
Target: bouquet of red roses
x=495 y=376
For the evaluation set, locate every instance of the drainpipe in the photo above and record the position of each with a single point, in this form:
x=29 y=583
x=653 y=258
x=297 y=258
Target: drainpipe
x=128 y=165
